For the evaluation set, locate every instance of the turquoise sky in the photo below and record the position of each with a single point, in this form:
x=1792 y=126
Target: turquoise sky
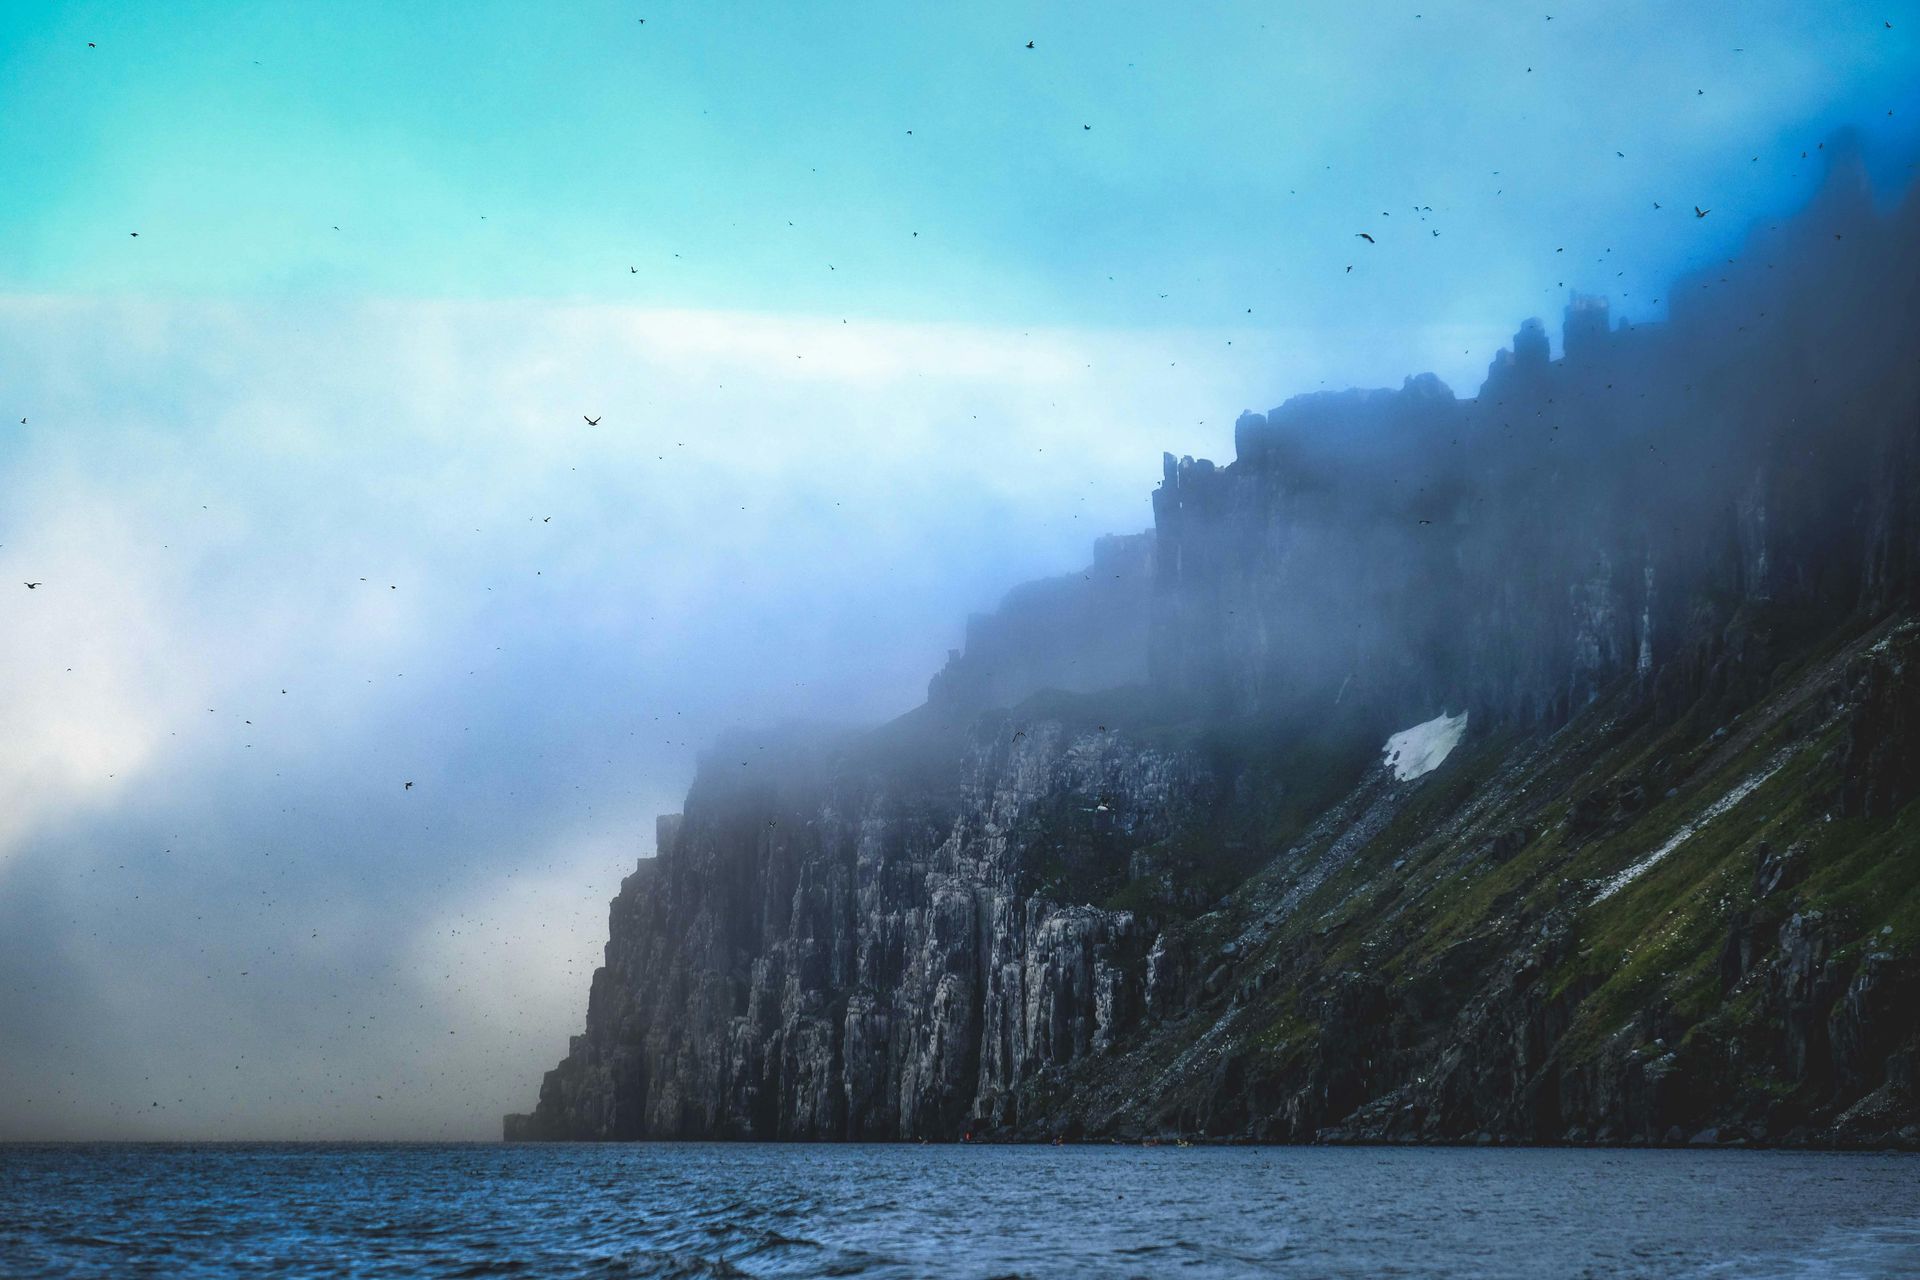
x=1140 y=165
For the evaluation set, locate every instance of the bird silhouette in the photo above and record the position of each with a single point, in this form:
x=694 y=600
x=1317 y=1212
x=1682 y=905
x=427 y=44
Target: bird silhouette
x=408 y=787
x=593 y=422
x=1698 y=212
x=1364 y=236
x=1029 y=44
x=32 y=585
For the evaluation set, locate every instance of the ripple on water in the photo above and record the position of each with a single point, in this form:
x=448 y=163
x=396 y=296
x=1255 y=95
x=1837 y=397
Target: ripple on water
x=895 y=1212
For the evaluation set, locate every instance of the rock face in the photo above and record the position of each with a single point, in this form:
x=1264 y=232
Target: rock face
x=1081 y=633
x=841 y=952
x=1138 y=866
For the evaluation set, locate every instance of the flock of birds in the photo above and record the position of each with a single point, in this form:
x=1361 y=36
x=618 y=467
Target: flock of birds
x=595 y=420
x=1698 y=212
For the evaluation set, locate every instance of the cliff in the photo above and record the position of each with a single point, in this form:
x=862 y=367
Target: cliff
x=1638 y=632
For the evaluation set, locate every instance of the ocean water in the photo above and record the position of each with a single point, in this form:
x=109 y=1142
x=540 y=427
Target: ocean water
x=936 y=1211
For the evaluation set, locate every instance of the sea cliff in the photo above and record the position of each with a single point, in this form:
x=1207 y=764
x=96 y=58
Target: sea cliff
x=1642 y=622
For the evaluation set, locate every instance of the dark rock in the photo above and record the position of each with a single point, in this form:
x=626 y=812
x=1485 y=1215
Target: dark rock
x=1135 y=867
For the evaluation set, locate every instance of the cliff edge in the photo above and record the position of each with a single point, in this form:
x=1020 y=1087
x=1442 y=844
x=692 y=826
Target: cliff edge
x=1538 y=766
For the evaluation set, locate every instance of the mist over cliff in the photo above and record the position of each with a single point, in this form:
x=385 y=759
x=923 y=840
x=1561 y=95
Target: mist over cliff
x=1640 y=864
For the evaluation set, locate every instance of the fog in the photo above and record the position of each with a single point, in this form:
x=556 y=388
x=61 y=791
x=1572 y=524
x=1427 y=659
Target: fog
x=387 y=590
x=389 y=549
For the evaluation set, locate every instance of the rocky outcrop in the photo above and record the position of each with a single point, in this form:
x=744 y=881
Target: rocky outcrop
x=1138 y=866
x=1081 y=633
x=829 y=953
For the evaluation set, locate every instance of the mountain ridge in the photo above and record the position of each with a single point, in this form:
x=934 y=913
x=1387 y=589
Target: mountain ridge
x=1137 y=867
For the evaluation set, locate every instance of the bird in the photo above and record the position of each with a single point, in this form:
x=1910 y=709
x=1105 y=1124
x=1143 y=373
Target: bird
x=1029 y=44
x=408 y=787
x=633 y=271
x=134 y=234
x=1364 y=236
x=32 y=585
x=1698 y=212
x=593 y=422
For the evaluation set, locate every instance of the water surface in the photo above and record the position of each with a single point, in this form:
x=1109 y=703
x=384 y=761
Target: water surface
x=913 y=1211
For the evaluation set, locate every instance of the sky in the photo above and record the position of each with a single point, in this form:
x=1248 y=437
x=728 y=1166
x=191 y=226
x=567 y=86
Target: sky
x=879 y=312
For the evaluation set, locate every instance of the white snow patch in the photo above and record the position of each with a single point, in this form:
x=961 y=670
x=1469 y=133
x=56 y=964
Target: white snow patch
x=1740 y=792
x=1414 y=752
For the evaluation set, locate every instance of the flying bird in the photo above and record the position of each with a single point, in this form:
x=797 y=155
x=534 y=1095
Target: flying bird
x=1029 y=44
x=408 y=787
x=1698 y=212
x=1364 y=236
x=32 y=585
x=593 y=422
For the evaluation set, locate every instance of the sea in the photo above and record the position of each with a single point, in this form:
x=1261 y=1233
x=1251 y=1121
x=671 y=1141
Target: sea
x=402 y=1210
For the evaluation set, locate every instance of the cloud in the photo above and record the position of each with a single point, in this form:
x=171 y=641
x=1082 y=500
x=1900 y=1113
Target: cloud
x=297 y=556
